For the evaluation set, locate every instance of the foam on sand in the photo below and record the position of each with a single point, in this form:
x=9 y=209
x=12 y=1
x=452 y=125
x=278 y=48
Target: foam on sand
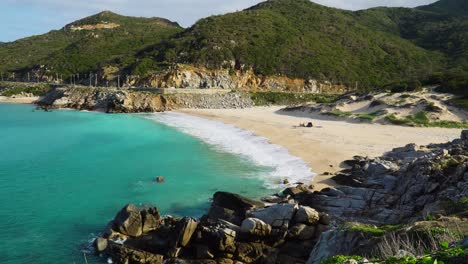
x=228 y=138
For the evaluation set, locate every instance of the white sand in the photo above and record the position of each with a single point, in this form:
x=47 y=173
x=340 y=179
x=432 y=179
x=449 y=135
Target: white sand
x=19 y=100
x=326 y=145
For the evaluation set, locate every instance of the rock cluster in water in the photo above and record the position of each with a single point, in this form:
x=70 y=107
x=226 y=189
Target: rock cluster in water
x=299 y=225
x=235 y=230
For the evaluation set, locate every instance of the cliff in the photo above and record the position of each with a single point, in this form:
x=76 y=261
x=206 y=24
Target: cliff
x=133 y=101
x=187 y=76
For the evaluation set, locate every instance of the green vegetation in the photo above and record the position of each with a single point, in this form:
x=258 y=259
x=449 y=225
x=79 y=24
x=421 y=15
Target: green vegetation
x=445 y=255
x=450 y=7
x=339 y=113
x=67 y=51
x=404 y=86
x=431 y=107
x=371 y=229
x=286 y=98
x=461 y=102
x=11 y=89
x=371 y=116
x=339 y=259
x=421 y=119
x=298 y=38
x=391 y=48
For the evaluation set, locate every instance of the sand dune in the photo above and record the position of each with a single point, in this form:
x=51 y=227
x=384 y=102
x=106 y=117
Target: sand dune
x=329 y=142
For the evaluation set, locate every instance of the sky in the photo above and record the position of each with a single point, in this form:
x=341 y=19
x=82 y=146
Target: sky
x=22 y=18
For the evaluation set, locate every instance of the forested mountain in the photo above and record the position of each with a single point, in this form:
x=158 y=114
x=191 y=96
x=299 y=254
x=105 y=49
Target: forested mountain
x=449 y=7
x=295 y=38
x=83 y=45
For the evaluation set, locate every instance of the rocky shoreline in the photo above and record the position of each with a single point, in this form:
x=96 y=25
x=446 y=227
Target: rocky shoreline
x=128 y=101
x=402 y=188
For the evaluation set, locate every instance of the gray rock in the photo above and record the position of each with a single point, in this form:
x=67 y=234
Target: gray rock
x=464 y=135
x=151 y=219
x=220 y=239
x=325 y=219
x=255 y=227
x=307 y=215
x=235 y=202
x=128 y=221
x=277 y=215
x=249 y=252
x=183 y=232
x=216 y=213
x=100 y=244
x=301 y=232
x=122 y=254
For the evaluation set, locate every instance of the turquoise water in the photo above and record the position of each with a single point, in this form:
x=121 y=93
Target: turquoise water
x=65 y=174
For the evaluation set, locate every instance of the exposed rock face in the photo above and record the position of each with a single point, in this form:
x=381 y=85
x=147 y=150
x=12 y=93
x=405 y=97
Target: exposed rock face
x=108 y=100
x=186 y=76
x=130 y=101
x=406 y=183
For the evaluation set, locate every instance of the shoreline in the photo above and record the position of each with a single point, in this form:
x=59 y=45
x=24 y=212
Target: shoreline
x=330 y=142
x=19 y=100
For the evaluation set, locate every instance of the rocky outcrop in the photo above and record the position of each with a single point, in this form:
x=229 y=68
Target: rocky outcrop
x=108 y=100
x=259 y=234
x=133 y=101
x=187 y=76
x=302 y=226
x=405 y=184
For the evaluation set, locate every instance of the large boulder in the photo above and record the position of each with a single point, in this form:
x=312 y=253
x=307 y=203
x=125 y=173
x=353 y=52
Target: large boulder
x=100 y=244
x=235 y=202
x=307 y=215
x=122 y=254
x=183 y=231
x=249 y=252
x=217 y=238
x=255 y=227
x=302 y=232
x=464 y=135
x=278 y=215
x=129 y=221
x=216 y=213
x=151 y=219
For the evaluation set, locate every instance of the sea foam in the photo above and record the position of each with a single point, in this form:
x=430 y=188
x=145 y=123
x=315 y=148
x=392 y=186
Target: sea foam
x=228 y=138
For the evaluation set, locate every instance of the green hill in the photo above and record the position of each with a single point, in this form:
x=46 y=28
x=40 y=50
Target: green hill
x=295 y=38
x=81 y=46
x=450 y=7
x=300 y=39
x=441 y=32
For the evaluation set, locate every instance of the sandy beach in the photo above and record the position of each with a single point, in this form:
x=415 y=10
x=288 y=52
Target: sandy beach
x=330 y=142
x=19 y=100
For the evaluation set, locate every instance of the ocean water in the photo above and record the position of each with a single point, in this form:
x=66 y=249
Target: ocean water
x=65 y=174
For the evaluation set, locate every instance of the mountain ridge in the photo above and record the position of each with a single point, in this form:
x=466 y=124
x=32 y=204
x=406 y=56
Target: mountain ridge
x=294 y=38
